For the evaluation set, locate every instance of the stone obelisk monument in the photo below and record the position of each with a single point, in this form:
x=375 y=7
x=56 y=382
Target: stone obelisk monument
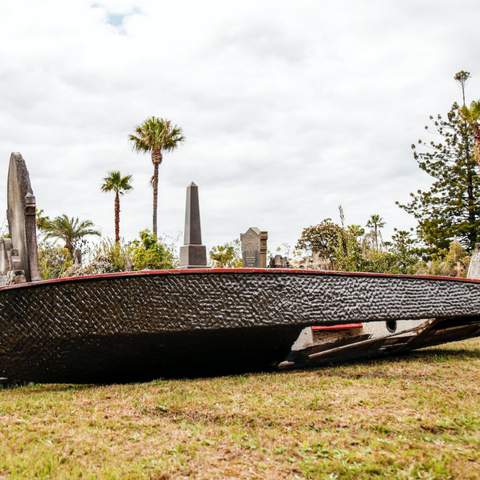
x=193 y=254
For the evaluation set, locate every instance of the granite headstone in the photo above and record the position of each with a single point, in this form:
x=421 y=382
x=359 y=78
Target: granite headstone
x=254 y=248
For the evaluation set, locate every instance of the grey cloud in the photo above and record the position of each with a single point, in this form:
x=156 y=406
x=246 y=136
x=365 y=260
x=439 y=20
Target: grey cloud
x=289 y=108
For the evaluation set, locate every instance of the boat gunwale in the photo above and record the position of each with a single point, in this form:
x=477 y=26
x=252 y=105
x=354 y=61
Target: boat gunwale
x=270 y=271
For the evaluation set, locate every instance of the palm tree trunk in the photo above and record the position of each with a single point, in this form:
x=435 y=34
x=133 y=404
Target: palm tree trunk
x=156 y=159
x=117 y=218
x=71 y=250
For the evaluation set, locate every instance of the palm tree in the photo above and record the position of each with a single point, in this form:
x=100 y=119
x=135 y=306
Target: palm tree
x=461 y=77
x=114 y=182
x=471 y=115
x=42 y=219
x=156 y=135
x=376 y=223
x=69 y=230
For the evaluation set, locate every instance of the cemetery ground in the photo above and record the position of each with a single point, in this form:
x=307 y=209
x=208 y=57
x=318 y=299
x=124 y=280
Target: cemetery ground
x=414 y=416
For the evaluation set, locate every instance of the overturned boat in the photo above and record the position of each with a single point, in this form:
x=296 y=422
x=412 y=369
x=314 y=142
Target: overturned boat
x=141 y=325
x=170 y=322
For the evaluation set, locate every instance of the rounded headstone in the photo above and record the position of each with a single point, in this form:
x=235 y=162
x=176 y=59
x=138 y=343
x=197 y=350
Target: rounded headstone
x=18 y=187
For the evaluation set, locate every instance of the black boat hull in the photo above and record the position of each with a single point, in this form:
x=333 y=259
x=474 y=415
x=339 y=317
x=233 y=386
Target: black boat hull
x=149 y=324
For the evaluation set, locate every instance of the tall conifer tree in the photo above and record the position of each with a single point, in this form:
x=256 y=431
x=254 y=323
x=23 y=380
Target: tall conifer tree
x=450 y=208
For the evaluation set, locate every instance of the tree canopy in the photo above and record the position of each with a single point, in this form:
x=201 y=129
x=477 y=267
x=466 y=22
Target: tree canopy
x=226 y=255
x=115 y=182
x=71 y=230
x=322 y=239
x=156 y=135
x=350 y=248
x=450 y=208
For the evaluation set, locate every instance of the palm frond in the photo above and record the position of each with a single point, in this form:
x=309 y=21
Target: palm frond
x=69 y=230
x=156 y=134
x=115 y=182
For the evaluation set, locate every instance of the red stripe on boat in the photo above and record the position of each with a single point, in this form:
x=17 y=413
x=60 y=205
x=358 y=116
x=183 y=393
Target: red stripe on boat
x=346 y=326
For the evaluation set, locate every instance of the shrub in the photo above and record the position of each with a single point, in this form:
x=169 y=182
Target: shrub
x=150 y=253
x=227 y=255
x=53 y=261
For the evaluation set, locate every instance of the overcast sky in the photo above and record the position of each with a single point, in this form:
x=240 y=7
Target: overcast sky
x=290 y=108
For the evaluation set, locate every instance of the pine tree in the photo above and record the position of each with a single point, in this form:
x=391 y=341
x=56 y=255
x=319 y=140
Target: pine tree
x=450 y=209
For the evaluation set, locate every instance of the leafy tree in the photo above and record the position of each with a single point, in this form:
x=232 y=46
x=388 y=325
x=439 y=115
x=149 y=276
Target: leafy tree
x=400 y=255
x=376 y=223
x=114 y=182
x=453 y=264
x=149 y=253
x=105 y=257
x=349 y=254
x=404 y=248
x=116 y=255
x=70 y=230
x=356 y=230
x=349 y=248
x=450 y=208
x=156 y=135
x=53 y=261
x=227 y=255
x=379 y=261
x=322 y=239
x=456 y=261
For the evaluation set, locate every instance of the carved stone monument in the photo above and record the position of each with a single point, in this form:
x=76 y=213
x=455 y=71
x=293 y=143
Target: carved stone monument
x=254 y=248
x=474 y=266
x=18 y=254
x=192 y=254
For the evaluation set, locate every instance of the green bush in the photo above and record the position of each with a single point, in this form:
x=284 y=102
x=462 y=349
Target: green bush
x=53 y=261
x=227 y=255
x=150 y=253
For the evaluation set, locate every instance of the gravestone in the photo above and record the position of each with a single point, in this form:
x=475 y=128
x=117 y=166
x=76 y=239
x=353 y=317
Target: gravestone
x=279 y=261
x=5 y=255
x=192 y=254
x=254 y=248
x=5 y=259
x=18 y=254
x=474 y=266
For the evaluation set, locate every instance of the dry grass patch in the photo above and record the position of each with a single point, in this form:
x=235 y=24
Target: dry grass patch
x=411 y=417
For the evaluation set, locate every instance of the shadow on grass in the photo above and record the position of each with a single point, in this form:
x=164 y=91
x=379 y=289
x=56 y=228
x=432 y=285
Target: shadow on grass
x=377 y=366
x=47 y=387
x=445 y=353
x=430 y=355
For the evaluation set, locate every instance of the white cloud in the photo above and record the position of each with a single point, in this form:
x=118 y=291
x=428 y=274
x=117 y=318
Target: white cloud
x=289 y=108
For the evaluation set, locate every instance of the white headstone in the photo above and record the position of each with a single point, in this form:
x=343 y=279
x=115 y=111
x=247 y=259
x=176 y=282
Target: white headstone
x=474 y=266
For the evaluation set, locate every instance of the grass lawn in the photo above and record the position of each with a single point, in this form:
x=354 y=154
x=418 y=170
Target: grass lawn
x=416 y=416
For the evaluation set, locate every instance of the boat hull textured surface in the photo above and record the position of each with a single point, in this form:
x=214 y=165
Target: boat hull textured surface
x=149 y=324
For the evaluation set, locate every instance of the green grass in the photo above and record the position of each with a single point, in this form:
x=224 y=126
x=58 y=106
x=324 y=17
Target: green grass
x=416 y=416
